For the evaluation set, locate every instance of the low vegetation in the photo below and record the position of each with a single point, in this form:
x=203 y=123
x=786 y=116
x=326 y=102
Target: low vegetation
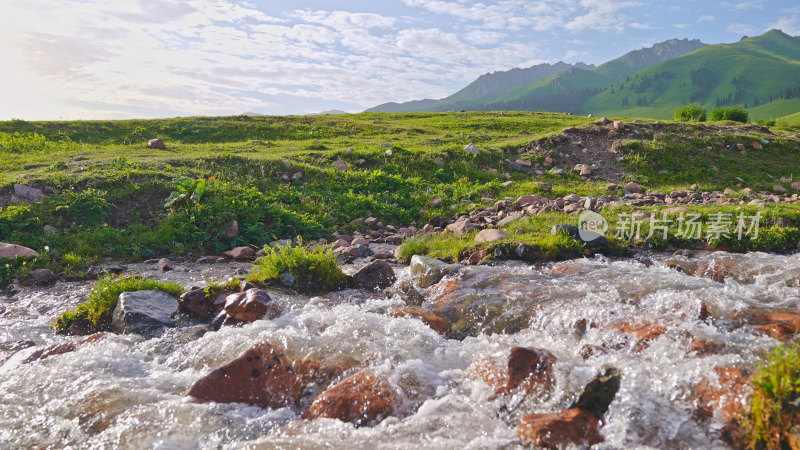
x=302 y=268
x=691 y=113
x=96 y=312
x=773 y=418
x=734 y=113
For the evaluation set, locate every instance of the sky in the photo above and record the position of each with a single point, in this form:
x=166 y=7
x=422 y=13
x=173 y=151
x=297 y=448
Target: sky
x=121 y=59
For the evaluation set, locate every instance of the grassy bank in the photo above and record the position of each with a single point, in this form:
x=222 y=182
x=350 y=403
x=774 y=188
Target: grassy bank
x=105 y=191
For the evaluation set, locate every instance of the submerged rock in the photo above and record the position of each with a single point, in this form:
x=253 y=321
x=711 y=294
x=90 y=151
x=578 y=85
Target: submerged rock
x=361 y=399
x=262 y=376
x=527 y=367
x=146 y=313
x=561 y=429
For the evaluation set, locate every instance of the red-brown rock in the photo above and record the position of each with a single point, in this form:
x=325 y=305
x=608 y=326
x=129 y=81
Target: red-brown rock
x=429 y=317
x=60 y=349
x=262 y=376
x=361 y=399
x=195 y=303
x=644 y=332
x=241 y=253
x=530 y=366
x=527 y=367
x=724 y=394
x=559 y=430
x=250 y=306
x=11 y=251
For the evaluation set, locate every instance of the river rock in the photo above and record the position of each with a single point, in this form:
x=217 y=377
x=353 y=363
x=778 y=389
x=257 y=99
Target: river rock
x=490 y=235
x=724 y=393
x=11 y=251
x=157 y=144
x=428 y=271
x=40 y=277
x=644 y=331
x=263 y=376
x=432 y=318
x=361 y=399
x=461 y=226
x=599 y=393
x=634 y=188
x=61 y=348
x=146 y=313
x=374 y=276
x=165 y=265
x=241 y=253
x=573 y=427
x=527 y=367
x=250 y=306
x=194 y=302
x=28 y=192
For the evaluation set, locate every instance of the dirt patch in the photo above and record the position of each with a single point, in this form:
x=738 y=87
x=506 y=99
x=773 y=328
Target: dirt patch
x=597 y=144
x=142 y=207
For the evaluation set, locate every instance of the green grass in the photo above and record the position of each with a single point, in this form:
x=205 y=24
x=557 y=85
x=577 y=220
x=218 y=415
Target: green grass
x=106 y=192
x=771 y=419
x=96 y=312
x=311 y=269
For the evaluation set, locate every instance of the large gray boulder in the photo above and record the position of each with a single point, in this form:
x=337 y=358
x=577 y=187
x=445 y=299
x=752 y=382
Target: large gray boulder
x=147 y=313
x=428 y=271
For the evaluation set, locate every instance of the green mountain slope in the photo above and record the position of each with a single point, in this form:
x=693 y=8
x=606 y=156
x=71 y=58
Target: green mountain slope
x=484 y=85
x=558 y=87
x=750 y=73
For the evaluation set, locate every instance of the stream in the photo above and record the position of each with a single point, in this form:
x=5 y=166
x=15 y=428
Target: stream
x=127 y=392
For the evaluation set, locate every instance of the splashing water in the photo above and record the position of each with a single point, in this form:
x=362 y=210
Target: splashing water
x=123 y=391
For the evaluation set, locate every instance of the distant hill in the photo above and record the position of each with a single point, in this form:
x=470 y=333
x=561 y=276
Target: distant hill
x=761 y=73
x=541 y=86
x=752 y=72
x=484 y=85
x=329 y=112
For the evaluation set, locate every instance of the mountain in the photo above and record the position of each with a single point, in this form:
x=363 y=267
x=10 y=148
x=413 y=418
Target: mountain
x=540 y=86
x=641 y=59
x=484 y=85
x=752 y=72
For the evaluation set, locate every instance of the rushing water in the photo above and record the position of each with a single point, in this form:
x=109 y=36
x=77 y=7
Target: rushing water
x=123 y=391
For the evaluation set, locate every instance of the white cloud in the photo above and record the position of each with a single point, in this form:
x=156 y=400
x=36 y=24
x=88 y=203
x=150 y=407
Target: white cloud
x=680 y=25
x=705 y=18
x=641 y=26
x=741 y=29
x=789 y=25
x=601 y=15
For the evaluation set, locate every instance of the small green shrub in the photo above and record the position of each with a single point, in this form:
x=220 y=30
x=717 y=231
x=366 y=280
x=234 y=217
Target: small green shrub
x=311 y=269
x=95 y=313
x=734 y=113
x=691 y=113
x=768 y=422
x=22 y=142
